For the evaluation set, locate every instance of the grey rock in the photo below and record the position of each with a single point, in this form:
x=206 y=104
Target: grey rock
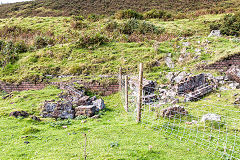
x=99 y=103
x=169 y=62
x=215 y=33
x=180 y=77
x=234 y=85
x=211 y=117
x=170 y=76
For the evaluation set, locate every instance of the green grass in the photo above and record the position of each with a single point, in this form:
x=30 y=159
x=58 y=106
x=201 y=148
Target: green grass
x=114 y=136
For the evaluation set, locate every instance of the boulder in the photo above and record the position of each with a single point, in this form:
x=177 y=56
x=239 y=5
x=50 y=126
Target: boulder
x=211 y=117
x=234 y=85
x=215 y=33
x=170 y=76
x=85 y=110
x=180 y=77
x=99 y=103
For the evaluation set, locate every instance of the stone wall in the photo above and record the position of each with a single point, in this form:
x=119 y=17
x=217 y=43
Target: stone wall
x=101 y=89
x=225 y=63
x=10 y=87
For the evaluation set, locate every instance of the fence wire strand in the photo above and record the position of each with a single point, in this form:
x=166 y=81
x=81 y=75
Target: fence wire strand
x=221 y=138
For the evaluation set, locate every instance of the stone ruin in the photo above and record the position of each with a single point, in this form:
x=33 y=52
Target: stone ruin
x=195 y=87
x=75 y=103
x=149 y=88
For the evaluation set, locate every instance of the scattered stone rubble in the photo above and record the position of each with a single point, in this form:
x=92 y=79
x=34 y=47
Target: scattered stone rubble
x=234 y=73
x=74 y=103
x=173 y=111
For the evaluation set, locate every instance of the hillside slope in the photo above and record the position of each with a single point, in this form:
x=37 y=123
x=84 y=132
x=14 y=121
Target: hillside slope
x=84 y=7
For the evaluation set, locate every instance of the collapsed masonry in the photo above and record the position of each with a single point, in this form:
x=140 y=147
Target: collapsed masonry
x=75 y=103
x=234 y=73
x=195 y=87
x=149 y=88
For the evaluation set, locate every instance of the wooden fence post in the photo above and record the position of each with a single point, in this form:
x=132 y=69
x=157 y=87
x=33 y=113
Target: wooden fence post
x=139 y=103
x=120 y=79
x=126 y=93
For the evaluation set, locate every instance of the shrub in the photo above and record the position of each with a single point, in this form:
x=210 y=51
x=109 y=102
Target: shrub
x=231 y=25
x=158 y=14
x=141 y=27
x=91 y=40
x=41 y=42
x=127 y=14
x=94 y=17
x=9 y=51
x=215 y=26
x=145 y=27
x=111 y=26
x=129 y=26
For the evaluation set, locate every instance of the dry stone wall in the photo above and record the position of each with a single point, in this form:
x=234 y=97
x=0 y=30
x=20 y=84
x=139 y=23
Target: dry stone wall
x=104 y=90
x=225 y=63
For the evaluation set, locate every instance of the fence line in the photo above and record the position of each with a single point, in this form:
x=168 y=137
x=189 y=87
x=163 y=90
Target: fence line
x=190 y=122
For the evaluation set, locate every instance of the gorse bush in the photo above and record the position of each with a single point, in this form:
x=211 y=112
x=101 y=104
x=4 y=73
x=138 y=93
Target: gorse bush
x=9 y=51
x=129 y=26
x=231 y=25
x=111 y=26
x=141 y=27
x=127 y=14
x=94 y=17
x=158 y=14
x=91 y=40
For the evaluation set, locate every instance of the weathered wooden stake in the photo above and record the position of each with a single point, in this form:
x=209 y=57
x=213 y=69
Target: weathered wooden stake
x=139 y=104
x=120 y=79
x=126 y=93
x=85 y=146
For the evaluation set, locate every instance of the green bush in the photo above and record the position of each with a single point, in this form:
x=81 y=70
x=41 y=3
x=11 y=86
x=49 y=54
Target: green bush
x=129 y=26
x=141 y=27
x=41 y=42
x=9 y=51
x=215 y=26
x=127 y=14
x=158 y=14
x=111 y=26
x=146 y=27
x=231 y=25
x=94 y=17
x=91 y=40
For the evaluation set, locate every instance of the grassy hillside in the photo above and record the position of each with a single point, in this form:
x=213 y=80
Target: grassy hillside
x=114 y=136
x=85 y=7
x=62 y=55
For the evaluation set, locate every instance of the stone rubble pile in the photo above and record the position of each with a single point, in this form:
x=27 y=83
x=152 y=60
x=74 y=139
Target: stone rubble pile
x=74 y=103
x=172 y=112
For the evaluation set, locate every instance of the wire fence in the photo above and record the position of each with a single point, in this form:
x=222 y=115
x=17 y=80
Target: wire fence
x=214 y=126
